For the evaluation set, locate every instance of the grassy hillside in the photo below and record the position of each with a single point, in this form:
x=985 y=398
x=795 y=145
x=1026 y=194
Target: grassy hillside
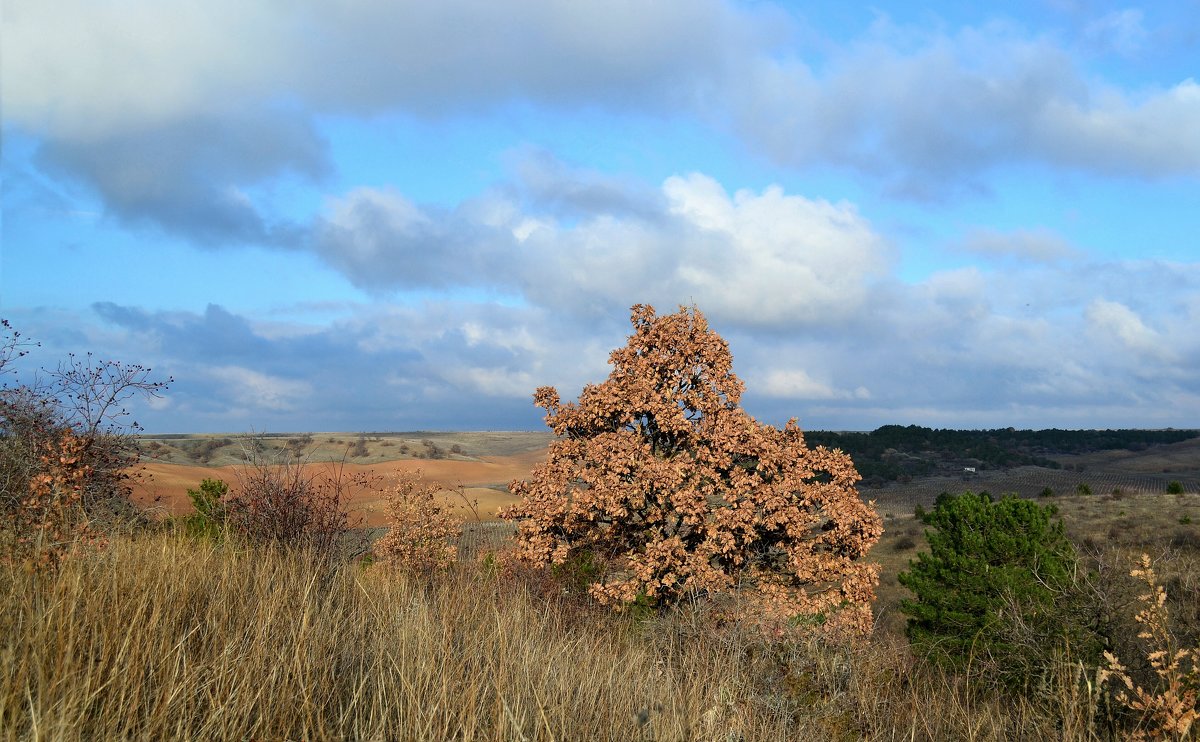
x=160 y=638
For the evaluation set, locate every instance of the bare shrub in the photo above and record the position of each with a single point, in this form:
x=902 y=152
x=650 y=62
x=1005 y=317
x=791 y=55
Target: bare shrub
x=292 y=504
x=662 y=481
x=297 y=444
x=203 y=450
x=84 y=397
x=359 y=449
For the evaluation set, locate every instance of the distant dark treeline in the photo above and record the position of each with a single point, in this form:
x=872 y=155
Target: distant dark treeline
x=897 y=452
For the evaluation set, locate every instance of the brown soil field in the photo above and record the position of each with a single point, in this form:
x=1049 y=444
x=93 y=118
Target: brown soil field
x=484 y=480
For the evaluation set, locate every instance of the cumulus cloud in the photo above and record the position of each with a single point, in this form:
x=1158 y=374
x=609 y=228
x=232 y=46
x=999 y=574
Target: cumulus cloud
x=965 y=347
x=374 y=369
x=382 y=240
x=796 y=383
x=767 y=258
x=256 y=392
x=1120 y=30
x=184 y=116
x=934 y=115
x=1114 y=322
x=82 y=70
x=959 y=348
x=191 y=177
x=775 y=258
x=110 y=87
x=568 y=191
x=494 y=382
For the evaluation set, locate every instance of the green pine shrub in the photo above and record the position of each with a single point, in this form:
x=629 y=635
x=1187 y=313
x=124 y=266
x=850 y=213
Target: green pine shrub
x=996 y=594
x=208 y=522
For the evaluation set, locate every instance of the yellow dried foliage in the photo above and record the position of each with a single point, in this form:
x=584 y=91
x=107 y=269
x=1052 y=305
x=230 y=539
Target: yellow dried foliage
x=1169 y=711
x=424 y=529
x=663 y=479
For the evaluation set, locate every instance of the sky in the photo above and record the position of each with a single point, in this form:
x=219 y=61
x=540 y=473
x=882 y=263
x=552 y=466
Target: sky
x=372 y=215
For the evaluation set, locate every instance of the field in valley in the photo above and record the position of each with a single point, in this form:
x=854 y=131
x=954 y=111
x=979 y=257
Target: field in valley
x=1128 y=505
x=483 y=464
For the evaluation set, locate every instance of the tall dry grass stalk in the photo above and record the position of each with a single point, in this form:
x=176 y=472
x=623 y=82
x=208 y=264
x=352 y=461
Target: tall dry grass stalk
x=159 y=637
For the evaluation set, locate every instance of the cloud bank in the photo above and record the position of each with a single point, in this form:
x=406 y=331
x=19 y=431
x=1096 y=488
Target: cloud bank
x=156 y=105
x=185 y=121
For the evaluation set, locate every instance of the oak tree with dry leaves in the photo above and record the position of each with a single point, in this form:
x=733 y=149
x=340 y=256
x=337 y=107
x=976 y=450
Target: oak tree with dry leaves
x=659 y=477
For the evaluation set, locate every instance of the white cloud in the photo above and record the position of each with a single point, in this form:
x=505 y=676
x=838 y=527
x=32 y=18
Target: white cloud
x=932 y=112
x=962 y=348
x=494 y=382
x=82 y=69
x=766 y=258
x=773 y=258
x=1113 y=133
x=796 y=383
x=1112 y=320
x=929 y=112
x=252 y=391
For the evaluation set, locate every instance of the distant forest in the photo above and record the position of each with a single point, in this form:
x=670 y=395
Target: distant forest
x=898 y=453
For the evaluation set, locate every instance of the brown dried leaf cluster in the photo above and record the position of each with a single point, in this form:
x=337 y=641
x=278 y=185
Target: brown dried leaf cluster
x=49 y=520
x=424 y=529
x=661 y=477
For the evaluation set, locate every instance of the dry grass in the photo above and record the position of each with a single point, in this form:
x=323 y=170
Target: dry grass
x=159 y=637
x=162 y=638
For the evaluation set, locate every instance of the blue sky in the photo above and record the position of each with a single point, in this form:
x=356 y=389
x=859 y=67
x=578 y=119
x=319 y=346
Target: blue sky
x=370 y=215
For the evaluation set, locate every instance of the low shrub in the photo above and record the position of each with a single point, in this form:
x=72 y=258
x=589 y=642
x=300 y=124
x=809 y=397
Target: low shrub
x=49 y=519
x=212 y=514
x=68 y=458
x=292 y=504
x=1186 y=538
x=994 y=595
x=423 y=528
